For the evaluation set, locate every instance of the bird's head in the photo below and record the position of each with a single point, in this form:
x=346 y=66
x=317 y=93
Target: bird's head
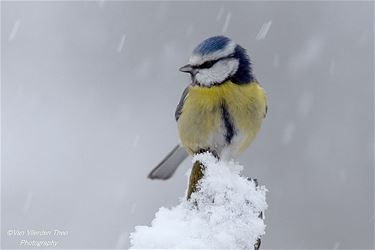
x=216 y=60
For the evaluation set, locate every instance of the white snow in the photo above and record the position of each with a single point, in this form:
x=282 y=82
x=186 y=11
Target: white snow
x=101 y=3
x=307 y=56
x=223 y=214
x=136 y=141
x=264 y=30
x=120 y=46
x=305 y=104
x=220 y=13
x=288 y=133
x=226 y=23
x=336 y=245
x=14 y=31
x=27 y=204
x=133 y=207
x=122 y=240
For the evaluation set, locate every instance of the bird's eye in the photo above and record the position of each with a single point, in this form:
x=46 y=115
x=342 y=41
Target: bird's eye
x=207 y=64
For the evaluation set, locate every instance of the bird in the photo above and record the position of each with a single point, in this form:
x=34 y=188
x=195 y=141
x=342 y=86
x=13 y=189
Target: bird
x=221 y=110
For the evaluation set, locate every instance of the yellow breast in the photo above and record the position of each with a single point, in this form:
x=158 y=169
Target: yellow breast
x=201 y=125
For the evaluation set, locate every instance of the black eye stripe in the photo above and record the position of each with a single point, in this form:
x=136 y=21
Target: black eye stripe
x=209 y=64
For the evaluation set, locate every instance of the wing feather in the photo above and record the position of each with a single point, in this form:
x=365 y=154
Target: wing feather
x=181 y=103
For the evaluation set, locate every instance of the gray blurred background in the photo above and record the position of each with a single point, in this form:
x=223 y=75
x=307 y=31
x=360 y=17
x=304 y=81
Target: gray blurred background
x=88 y=96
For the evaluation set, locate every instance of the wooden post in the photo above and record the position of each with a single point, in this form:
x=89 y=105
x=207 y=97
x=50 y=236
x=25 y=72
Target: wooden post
x=195 y=176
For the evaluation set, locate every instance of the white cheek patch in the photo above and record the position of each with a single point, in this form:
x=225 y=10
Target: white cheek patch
x=217 y=73
x=198 y=59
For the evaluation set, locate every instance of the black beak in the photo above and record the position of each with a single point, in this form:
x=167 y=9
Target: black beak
x=187 y=69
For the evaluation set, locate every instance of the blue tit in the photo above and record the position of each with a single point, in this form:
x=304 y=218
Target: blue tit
x=222 y=110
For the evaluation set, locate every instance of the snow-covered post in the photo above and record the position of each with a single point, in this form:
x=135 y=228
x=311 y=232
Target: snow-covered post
x=223 y=211
x=197 y=173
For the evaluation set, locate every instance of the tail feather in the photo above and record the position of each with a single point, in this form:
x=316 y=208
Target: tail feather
x=166 y=168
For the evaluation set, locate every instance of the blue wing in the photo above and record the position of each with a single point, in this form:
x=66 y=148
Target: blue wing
x=181 y=103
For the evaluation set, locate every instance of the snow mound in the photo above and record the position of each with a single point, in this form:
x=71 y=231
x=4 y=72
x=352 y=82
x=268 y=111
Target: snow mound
x=222 y=214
